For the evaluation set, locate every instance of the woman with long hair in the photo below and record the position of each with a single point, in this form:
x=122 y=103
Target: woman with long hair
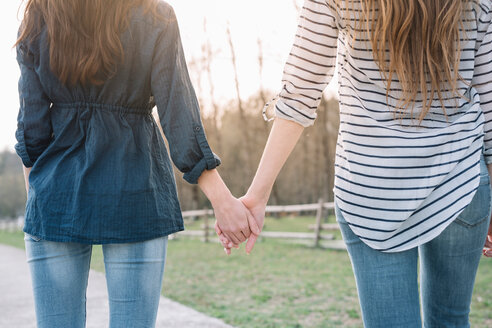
x=414 y=145
x=97 y=169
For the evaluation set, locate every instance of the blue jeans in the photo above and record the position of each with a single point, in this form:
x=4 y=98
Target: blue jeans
x=387 y=283
x=60 y=272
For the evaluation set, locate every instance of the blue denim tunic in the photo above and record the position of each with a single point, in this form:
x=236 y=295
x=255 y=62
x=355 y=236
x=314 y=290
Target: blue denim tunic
x=100 y=168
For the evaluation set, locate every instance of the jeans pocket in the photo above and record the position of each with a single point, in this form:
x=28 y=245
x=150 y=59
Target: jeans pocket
x=479 y=208
x=31 y=238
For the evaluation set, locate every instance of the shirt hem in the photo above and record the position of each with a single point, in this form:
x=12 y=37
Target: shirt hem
x=103 y=241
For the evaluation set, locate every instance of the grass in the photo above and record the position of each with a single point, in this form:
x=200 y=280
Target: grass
x=280 y=285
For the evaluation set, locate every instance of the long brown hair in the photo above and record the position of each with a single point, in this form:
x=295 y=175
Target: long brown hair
x=423 y=39
x=84 y=35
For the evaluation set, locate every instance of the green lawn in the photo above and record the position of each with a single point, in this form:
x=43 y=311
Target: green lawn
x=286 y=224
x=279 y=285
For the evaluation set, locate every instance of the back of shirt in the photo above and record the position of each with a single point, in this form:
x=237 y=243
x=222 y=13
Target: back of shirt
x=100 y=169
x=398 y=183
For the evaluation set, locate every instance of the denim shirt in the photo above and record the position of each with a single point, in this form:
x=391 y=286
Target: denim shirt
x=100 y=168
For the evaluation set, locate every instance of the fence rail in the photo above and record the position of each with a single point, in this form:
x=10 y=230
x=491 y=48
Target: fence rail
x=10 y=225
x=208 y=229
x=317 y=235
x=269 y=209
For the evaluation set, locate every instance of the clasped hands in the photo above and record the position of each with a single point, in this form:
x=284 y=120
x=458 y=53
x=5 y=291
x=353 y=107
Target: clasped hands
x=238 y=221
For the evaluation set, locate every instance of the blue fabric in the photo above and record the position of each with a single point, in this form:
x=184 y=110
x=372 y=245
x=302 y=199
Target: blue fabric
x=60 y=272
x=387 y=282
x=101 y=172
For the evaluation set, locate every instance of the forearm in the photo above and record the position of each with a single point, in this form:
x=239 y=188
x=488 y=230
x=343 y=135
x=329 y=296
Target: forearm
x=282 y=140
x=489 y=167
x=27 y=171
x=214 y=187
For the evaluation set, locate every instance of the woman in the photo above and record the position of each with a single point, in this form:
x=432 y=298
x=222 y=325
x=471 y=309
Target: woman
x=97 y=169
x=414 y=145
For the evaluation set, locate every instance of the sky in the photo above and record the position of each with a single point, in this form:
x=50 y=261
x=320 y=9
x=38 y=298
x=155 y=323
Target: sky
x=274 y=22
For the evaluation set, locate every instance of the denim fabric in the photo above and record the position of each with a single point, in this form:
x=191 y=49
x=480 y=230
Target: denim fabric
x=60 y=273
x=100 y=169
x=387 y=283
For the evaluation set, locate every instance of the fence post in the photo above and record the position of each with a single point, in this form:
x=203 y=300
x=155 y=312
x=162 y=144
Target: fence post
x=319 y=221
x=205 y=226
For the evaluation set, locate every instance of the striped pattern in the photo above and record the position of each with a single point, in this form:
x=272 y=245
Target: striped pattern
x=397 y=184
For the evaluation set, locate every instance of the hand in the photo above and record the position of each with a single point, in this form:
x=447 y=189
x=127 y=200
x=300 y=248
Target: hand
x=487 y=249
x=226 y=243
x=234 y=222
x=257 y=208
x=281 y=141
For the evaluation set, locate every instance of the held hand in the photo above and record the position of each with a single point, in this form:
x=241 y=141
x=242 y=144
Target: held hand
x=487 y=249
x=257 y=208
x=234 y=222
x=226 y=243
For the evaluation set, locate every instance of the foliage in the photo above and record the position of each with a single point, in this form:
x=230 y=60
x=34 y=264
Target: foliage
x=12 y=190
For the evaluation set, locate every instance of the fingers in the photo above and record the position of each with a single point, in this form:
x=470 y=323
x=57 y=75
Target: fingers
x=487 y=249
x=488 y=241
x=253 y=225
x=232 y=238
x=251 y=243
x=217 y=228
x=241 y=232
x=229 y=239
x=239 y=237
x=246 y=234
x=223 y=240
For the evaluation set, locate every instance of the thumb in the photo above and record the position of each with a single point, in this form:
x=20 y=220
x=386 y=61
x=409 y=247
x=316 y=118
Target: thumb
x=251 y=243
x=253 y=225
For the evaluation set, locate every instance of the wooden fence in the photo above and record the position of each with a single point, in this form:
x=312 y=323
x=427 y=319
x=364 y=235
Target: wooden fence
x=10 y=225
x=208 y=231
x=320 y=208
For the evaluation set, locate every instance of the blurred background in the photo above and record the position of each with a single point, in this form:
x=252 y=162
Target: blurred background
x=299 y=274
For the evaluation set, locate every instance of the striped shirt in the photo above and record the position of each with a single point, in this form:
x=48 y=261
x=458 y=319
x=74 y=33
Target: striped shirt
x=397 y=183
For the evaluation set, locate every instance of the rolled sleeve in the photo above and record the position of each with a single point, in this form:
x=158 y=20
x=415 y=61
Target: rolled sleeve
x=209 y=160
x=177 y=105
x=34 y=130
x=482 y=76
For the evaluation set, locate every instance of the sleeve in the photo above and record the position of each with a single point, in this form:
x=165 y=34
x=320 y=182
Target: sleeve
x=177 y=105
x=482 y=77
x=34 y=130
x=311 y=63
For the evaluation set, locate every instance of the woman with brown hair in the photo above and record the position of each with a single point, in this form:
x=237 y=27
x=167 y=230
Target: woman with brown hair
x=97 y=169
x=415 y=141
